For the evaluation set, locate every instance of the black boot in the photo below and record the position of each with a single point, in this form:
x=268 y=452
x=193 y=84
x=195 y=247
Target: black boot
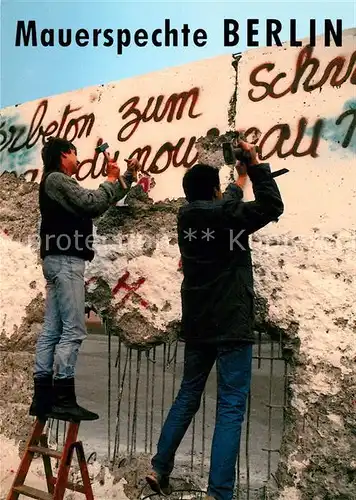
x=42 y=398
x=65 y=405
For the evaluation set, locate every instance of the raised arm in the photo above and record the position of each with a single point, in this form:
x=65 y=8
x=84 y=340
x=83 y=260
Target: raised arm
x=266 y=207
x=88 y=202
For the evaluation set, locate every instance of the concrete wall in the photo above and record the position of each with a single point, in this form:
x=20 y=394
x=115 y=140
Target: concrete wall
x=304 y=113
x=304 y=265
x=162 y=114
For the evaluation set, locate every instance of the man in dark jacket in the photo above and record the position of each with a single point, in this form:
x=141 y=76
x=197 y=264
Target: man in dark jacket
x=217 y=312
x=66 y=232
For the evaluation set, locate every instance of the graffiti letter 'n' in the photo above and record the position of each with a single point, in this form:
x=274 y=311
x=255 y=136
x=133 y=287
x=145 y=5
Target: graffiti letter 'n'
x=21 y=32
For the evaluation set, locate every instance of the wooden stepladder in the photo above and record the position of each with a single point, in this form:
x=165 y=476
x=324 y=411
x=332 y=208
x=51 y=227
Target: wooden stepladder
x=56 y=486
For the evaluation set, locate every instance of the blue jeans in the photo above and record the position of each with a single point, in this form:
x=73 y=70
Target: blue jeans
x=234 y=376
x=64 y=326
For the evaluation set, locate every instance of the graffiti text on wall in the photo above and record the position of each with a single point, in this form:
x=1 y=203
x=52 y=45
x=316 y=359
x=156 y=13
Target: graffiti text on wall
x=286 y=139
x=276 y=141
x=71 y=127
x=298 y=139
x=19 y=160
x=337 y=72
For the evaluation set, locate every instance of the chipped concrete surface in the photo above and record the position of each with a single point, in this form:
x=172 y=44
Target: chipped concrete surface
x=315 y=285
x=305 y=293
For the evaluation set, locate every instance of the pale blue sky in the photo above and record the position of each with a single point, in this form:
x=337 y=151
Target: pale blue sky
x=29 y=73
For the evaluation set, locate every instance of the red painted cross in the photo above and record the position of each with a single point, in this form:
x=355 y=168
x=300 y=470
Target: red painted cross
x=131 y=289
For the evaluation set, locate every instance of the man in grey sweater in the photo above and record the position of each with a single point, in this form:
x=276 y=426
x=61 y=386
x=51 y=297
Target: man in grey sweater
x=66 y=233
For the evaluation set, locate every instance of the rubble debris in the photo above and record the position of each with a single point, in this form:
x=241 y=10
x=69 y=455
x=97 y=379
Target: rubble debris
x=209 y=148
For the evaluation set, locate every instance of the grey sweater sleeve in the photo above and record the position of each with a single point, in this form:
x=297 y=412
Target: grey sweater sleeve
x=79 y=200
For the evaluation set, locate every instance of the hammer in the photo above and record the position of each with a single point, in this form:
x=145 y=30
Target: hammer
x=102 y=149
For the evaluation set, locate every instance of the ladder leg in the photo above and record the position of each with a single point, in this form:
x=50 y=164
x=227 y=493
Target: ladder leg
x=47 y=465
x=65 y=463
x=26 y=459
x=84 y=471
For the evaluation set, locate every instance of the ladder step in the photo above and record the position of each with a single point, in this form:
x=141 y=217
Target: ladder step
x=45 y=451
x=28 y=491
x=77 y=487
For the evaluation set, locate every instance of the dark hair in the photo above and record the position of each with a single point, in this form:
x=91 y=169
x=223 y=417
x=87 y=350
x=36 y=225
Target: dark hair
x=51 y=153
x=200 y=181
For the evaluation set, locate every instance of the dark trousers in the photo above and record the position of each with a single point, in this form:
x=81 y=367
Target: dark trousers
x=234 y=376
